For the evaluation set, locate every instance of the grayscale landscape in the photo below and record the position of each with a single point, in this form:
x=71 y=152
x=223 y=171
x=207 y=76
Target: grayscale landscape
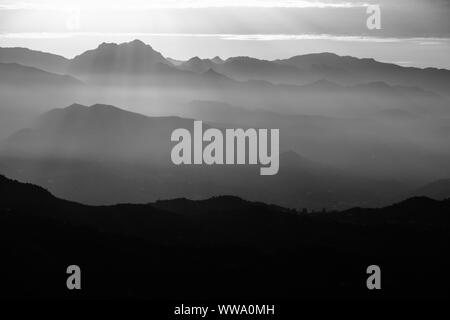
x=91 y=93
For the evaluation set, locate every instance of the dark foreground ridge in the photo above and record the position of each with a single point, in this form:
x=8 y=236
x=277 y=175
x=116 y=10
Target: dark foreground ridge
x=220 y=248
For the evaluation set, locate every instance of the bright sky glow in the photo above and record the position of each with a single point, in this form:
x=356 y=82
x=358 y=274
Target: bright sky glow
x=417 y=31
x=143 y=4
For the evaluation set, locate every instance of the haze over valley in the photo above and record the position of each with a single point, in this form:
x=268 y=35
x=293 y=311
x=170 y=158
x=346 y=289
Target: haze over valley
x=96 y=128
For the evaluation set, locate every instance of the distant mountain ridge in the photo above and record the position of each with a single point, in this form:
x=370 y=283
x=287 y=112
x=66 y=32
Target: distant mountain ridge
x=139 y=58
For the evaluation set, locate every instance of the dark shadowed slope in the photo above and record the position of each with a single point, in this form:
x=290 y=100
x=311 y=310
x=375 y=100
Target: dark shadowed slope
x=218 y=248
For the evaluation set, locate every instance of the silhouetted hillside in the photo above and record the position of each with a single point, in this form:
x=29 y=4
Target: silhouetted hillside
x=223 y=247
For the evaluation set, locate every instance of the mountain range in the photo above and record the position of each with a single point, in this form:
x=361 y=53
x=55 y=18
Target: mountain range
x=102 y=154
x=138 y=58
x=136 y=75
x=354 y=131
x=357 y=138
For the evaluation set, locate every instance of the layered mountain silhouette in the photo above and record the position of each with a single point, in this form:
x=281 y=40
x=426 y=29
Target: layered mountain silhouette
x=138 y=58
x=226 y=245
x=357 y=137
x=102 y=154
x=384 y=146
x=355 y=127
x=139 y=74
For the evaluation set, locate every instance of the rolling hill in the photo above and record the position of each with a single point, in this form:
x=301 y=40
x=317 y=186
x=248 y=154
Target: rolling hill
x=225 y=244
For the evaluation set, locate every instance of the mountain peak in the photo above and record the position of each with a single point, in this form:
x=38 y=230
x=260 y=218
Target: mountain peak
x=104 y=107
x=217 y=59
x=129 y=57
x=107 y=45
x=197 y=65
x=243 y=59
x=195 y=59
x=76 y=106
x=111 y=45
x=136 y=43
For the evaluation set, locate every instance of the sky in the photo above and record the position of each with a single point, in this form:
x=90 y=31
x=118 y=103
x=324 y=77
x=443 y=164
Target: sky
x=413 y=32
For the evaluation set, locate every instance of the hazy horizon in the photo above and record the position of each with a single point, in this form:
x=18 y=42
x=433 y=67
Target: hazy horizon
x=158 y=40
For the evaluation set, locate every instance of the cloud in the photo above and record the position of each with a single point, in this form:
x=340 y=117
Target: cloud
x=231 y=37
x=330 y=37
x=37 y=35
x=176 y=4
